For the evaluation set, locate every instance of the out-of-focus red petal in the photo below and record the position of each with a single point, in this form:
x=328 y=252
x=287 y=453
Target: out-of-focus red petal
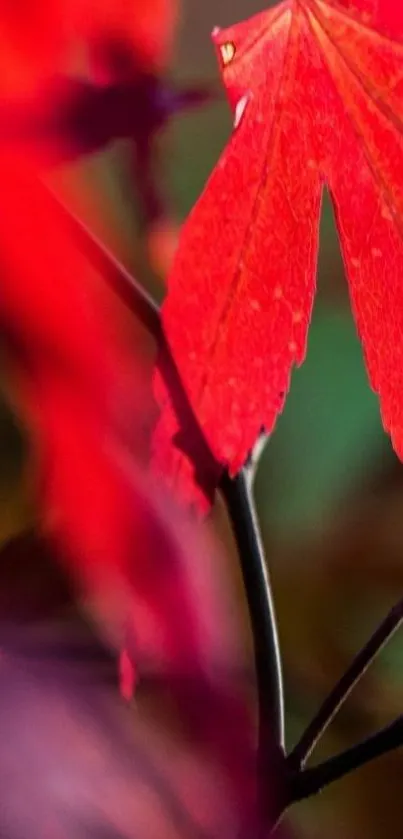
x=36 y=38
x=147 y=26
x=32 y=41
x=76 y=384
x=81 y=398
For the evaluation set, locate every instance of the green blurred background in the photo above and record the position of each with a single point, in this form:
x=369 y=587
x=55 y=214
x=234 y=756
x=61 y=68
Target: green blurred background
x=329 y=488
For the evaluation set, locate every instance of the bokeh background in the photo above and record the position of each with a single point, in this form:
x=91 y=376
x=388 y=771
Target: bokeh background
x=329 y=489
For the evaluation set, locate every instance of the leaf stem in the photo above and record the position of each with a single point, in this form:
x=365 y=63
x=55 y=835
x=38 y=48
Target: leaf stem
x=238 y=496
x=310 y=781
x=333 y=702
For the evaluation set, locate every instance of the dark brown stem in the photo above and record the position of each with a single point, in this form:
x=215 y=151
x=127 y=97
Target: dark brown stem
x=310 y=781
x=237 y=493
x=343 y=688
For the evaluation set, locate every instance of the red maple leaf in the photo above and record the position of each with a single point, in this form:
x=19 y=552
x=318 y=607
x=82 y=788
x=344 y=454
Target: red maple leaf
x=317 y=92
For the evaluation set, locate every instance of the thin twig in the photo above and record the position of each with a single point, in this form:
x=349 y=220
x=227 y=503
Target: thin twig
x=310 y=781
x=343 y=688
x=132 y=293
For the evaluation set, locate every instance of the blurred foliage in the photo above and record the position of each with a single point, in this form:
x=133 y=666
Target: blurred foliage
x=329 y=489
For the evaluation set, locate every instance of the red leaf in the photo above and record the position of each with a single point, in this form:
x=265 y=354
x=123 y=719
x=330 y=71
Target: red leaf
x=81 y=398
x=36 y=38
x=317 y=96
x=146 y=573
x=32 y=39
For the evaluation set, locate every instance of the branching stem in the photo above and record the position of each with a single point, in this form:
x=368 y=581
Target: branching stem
x=343 y=688
x=310 y=781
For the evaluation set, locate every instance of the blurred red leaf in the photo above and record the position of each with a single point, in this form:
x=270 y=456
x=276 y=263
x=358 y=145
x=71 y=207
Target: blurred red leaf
x=32 y=42
x=76 y=381
x=84 y=403
x=89 y=767
x=148 y=27
x=36 y=38
x=72 y=117
x=145 y=574
x=119 y=34
x=126 y=96
x=316 y=88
